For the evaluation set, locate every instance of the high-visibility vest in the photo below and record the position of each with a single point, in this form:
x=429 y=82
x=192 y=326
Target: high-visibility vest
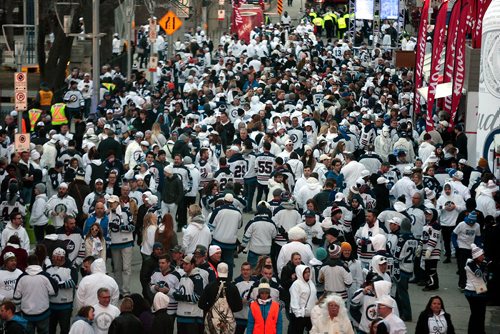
x=341 y=22
x=313 y=15
x=58 y=114
x=109 y=86
x=34 y=115
x=45 y=97
x=327 y=17
x=318 y=22
x=267 y=326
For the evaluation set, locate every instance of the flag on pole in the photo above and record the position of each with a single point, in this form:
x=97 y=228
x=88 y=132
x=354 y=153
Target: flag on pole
x=437 y=51
x=459 y=74
x=420 y=53
x=451 y=44
x=238 y=20
x=482 y=6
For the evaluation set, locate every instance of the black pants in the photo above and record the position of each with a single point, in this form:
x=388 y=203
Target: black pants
x=182 y=210
x=190 y=328
x=262 y=189
x=297 y=325
x=418 y=272
x=446 y=232
x=61 y=318
x=431 y=274
x=477 y=313
x=462 y=256
x=39 y=232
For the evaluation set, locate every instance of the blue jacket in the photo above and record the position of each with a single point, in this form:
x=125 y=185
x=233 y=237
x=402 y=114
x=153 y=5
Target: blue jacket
x=104 y=226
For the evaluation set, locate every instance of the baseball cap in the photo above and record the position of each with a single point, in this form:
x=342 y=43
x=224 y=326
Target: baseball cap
x=386 y=300
x=382 y=180
x=309 y=213
x=59 y=252
x=200 y=250
x=229 y=198
x=98 y=181
x=113 y=199
x=324 y=157
x=222 y=270
x=187 y=259
x=177 y=249
x=63 y=185
x=7 y=256
x=157 y=245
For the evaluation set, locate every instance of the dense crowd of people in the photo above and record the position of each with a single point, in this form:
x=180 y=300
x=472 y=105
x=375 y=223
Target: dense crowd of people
x=349 y=198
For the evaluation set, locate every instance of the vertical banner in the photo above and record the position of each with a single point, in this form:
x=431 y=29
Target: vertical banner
x=279 y=6
x=238 y=21
x=364 y=10
x=420 y=54
x=437 y=50
x=482 y=6
x=459 y=74
x=451 y=45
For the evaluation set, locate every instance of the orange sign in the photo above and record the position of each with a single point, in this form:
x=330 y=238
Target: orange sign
x=170 y=23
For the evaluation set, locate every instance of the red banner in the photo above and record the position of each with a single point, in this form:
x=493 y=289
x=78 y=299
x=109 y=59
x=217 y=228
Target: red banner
x=437 y=50
x=451 y=44
x=420 y=53
x=238 y=20
x=459 y=75
x=481 y=8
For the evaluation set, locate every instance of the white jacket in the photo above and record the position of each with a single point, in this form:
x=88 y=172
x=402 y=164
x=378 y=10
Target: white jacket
x=449 y=218
x=287 y=250
x=38 y=217
x=49 y=155
x=302 y=294
x=425 y=150
x=259 y=235
x=224 y=223
x=11 y=230
x=81 y=327
x=352 y=172
x=405 y=187
x=486 y=204
x=8 y=281
x=86 y=294
x=307 y=192
x=33 y=290
x=196 y=233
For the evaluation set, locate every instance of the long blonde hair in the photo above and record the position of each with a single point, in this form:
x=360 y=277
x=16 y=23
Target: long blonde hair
x=148 y=221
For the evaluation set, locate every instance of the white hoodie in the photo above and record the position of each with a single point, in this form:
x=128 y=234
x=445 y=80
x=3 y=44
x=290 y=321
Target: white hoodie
x=11 y=230
x=86 y=294
x=308 y=191
x=196 y=233
x=302 y=294
x=33 y=289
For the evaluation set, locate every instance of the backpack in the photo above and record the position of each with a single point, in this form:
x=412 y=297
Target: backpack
x=98 y=172
x=220 y=318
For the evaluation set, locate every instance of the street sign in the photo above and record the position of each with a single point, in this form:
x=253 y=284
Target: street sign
x=220 y=14
x=20 y=81
x=152 y=30
x=170 y=23
x=153 y=63
x=21 y=91
x=22 y=142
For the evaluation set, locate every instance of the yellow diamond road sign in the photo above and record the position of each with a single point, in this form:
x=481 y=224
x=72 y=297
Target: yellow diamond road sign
x=170 y=22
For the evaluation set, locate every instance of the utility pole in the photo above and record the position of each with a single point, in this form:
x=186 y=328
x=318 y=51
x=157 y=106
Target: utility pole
x=129 y=10
x=96 y=39
x=19 y=53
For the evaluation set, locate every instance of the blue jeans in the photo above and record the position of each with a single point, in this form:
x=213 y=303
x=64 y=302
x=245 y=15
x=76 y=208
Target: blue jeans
x=253 y=258
x=250 y=186
x=227 y=256
x=26 y=195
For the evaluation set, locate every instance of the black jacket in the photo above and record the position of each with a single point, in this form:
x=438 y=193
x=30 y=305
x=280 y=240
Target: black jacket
x=109 y=145
x=126 y=323
x=13 y=327
x=207 y=299
x=161 y=322
x=423 y=324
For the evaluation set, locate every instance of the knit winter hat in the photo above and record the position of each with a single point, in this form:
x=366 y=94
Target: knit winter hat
x=334 y=250
x=321 y=253
x=471 y=217
x=476 y=251
x=345 y=246
x=482 y=162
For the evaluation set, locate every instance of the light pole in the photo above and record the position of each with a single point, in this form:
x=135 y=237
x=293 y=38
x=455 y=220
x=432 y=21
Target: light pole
x=129 y=10
x=19 y=53
x=95 y=56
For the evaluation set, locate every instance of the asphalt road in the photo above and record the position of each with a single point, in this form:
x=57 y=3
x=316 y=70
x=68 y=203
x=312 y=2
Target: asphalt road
x=454 y=301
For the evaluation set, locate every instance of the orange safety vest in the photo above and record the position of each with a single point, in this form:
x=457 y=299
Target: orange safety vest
x=34 y=115
x=45 y=98
x=267 y=326
x=58 y=114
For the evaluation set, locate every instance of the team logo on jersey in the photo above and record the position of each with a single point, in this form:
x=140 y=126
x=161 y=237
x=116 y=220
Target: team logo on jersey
x=294 y=138
x=60 y=208
x=69 y=246
x=103 y=321
x=371 y=312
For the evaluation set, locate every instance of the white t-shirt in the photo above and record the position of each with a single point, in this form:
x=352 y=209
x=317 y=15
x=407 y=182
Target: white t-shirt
x=466 y=234
x=103 y=316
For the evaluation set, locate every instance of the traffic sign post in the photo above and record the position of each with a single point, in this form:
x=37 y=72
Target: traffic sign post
x=152 y=30
x=170 y=23
x=20 y=97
